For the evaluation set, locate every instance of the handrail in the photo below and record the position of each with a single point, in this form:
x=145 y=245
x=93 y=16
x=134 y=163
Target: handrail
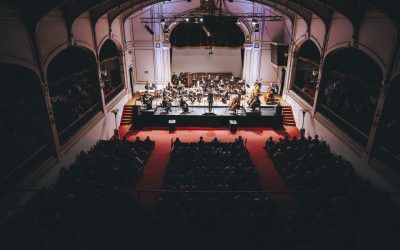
x=33 y=155
x=114 y=92
x=342 y=120
x=302 y=94
x=79 y=119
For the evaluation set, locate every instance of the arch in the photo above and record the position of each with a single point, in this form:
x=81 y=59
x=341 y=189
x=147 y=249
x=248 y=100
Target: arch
x=74 y=89
x=350 y=88
x=378 y=60
x=308 y=58
x=304 y=39
x=63 y=47
x=110 y=57
x=19 y=62
x=25 y=127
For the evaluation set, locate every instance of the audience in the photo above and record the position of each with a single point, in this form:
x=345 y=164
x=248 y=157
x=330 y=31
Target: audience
x=351 y=99
x=339 y=209
x=214 y=202
x=72 y=97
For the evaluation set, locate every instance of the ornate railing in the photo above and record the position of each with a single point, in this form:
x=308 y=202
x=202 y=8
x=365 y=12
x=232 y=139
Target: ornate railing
x=25 y=168
x=69 y=131
x=113 y=93
x=388 y=158
x=345 y=126
x=302 y=94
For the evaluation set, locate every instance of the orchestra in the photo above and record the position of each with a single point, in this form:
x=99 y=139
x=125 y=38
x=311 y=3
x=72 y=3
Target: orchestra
x=228 y=91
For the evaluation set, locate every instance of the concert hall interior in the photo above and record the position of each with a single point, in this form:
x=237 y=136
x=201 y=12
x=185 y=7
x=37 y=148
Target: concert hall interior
x=200 y=124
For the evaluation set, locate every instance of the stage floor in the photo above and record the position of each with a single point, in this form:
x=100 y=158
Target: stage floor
x=199 y=116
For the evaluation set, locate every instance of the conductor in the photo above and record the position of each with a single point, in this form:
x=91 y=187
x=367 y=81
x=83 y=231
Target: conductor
x=210 y=99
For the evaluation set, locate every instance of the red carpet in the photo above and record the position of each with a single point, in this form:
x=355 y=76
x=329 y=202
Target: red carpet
x=256 y=137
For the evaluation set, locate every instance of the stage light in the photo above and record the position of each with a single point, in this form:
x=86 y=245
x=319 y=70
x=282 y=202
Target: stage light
x=201 y=19
x=187 y=19
x=257 y=28
x=149 y=29
x=254 y=21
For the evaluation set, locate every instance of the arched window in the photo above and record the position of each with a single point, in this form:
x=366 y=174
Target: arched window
x=308 y=60
x=350 y=90
x=388 y=137
x=74 y=89
x=110 y=70
x=24 y=127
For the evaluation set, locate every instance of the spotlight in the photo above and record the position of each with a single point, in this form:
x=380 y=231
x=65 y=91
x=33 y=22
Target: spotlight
x=162 y=21
x=187 y=19
x=149 y=29
x=257 y=28
x=254 y=21
x=201 y=19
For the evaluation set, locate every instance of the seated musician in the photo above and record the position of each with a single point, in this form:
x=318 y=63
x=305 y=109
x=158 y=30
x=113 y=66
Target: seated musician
x=183 y=105
x=173 y=77
x=234 y=105
x=147 y=86
x=254 y=102
x=166 y=104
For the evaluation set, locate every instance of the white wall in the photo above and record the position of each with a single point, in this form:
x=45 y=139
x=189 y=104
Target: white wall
x=198 y=60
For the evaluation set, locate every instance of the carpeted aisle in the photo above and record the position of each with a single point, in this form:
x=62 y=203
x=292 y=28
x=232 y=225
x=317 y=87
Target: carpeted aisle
x=255 y=137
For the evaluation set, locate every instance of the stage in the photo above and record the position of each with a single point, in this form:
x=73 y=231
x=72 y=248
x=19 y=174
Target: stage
x=198 y=116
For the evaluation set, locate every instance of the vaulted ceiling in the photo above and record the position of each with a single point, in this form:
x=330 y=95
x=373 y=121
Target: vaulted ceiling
x=32 y=11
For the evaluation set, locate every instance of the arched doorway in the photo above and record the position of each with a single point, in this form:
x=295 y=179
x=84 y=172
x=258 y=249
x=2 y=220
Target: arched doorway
x=24 y=127
x=74 y=90
x=308 y=61
x=110 y=70
x=350 y=89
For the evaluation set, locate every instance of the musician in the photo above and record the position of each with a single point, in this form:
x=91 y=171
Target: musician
x=147 y=86
x=173 y=77
x=166 y=104
x=254 y=102
x=183 y=105
x=234 y=105
x=210 y=99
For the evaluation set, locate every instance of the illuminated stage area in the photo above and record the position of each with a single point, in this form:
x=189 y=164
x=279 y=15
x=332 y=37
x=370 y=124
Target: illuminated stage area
x=199 y=116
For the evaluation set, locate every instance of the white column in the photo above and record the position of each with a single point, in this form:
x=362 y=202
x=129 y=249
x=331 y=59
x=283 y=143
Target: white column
x=158 y=63
x=255 y=63
x=247 y=61
x=167 y=62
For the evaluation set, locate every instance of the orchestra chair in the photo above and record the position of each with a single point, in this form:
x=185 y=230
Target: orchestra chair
x=233 y=126
x=171 y=125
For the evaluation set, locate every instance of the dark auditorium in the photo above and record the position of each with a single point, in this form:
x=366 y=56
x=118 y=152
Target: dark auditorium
x=200 y=125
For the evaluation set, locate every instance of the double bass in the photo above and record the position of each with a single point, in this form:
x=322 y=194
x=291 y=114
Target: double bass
x=254 y=102
x=235 y=104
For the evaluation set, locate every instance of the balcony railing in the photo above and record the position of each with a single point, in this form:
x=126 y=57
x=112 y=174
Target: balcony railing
x=303 y=95
x=113 y=93
x=388 y=158
x=69 y=131
x=25 y=168
x=345 y=126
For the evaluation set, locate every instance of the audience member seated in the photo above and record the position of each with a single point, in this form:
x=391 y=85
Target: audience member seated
x=338 y=209
x=349 y=98
x=72 y=97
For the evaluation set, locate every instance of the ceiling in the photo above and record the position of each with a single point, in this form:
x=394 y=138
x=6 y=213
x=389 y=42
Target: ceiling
x=32 y=11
